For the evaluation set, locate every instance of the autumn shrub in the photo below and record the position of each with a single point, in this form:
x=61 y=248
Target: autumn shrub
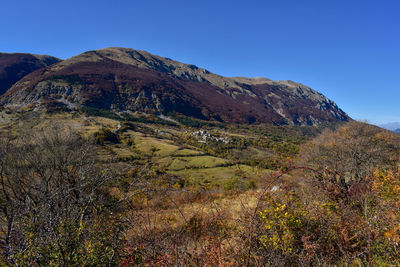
x=352 y=152
x=337 y=206
x=105 y=135
x=199 y=241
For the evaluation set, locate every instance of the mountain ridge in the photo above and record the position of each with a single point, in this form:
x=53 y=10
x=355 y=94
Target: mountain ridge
x=124 y=79
x=14 y=66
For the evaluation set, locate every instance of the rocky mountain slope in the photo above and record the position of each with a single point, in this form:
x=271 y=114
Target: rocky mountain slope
x=15 y=66
x=121 y=79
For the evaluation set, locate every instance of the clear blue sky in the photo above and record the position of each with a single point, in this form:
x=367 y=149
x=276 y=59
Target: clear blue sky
x=347 y=49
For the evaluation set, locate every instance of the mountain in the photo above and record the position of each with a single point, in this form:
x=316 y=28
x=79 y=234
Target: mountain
x=122 y=79
x=15 y=66
x=393 y=126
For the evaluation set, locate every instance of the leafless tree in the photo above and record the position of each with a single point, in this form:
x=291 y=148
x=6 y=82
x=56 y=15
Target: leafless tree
x=53 y=196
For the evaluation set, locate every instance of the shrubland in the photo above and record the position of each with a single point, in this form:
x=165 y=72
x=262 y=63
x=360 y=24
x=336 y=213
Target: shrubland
x=133 y=195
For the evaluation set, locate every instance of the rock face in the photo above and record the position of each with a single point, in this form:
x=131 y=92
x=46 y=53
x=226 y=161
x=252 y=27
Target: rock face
x=13 y=67
x=121 y=79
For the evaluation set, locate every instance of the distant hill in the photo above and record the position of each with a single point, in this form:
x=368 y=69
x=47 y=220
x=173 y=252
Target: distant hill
x=15 y=66
x=393 y=126
x=121 y=79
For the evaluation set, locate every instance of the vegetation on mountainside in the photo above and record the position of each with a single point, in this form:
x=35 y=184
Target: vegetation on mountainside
x=127 y=80
x=99 y=191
